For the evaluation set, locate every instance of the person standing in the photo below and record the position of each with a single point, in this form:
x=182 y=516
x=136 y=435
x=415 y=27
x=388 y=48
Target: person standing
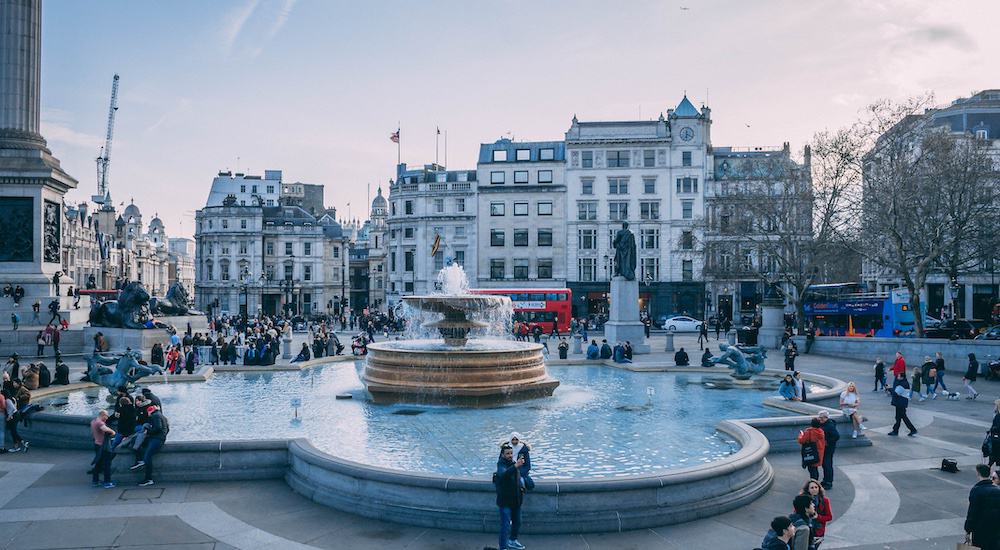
x=510 y=496
x=810 y=337
x=15 y=319
x=880 y=374
x=645 y=325
x=36 y=308
x=992 y=453
x=41 y=343
x=970 y=377
x=790 y=353
x=156 y=436
x=726 y=326
x=901 y=400
x=814 y=437
x=702 y=336
x=824 y=513
x=831 y=436
x=779 y=535
x=800 y=386
x=718 y=327
x=898 y=366
x=939 y=371
x=984 y=505
x=102 y=449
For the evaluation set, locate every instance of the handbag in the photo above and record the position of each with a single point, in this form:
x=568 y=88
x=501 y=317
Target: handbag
x=987 y=447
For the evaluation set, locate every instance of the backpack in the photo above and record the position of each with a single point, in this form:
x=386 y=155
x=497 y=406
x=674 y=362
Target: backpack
x=810 y=454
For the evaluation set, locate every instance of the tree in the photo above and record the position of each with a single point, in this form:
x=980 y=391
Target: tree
x=916 y=191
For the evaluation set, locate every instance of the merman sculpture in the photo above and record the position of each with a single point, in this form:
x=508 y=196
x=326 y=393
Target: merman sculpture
x=126 y=370
x=744 y=361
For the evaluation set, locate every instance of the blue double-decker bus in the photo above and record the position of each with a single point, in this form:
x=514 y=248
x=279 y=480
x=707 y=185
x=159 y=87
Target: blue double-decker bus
x=845 y=309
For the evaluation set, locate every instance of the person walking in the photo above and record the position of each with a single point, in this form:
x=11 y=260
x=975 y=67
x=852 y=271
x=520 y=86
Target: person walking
x=929 y=376
x=901 y=400
x=813 y=442
x=939 y=371
x=507 y=481
x=15 y=319
x=703 y=336
x=970 y=377
x=850 y=403
x=981 y=527
x=880 y=374
x=727 y=324
x=831 y=435
x=898 y=365
x=40 y=340
x=916 y=383
x=718 y=328
x=810 y=337
x=102 y=450
x=779 y=535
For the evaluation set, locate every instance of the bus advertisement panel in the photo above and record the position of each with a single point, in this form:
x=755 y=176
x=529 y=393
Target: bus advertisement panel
x=544 y=307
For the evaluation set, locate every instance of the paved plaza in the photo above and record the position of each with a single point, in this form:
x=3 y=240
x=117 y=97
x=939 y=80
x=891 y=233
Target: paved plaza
x=890 y=495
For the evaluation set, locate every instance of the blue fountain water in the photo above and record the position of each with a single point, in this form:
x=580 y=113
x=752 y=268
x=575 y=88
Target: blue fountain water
x=602 y=422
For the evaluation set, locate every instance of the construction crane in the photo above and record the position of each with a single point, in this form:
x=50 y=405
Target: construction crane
x=104 y=159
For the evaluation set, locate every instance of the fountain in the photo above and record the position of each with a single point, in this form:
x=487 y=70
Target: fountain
x=456 y=371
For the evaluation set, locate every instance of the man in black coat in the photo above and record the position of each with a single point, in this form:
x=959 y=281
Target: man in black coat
x=831 y=435
x=901 y=403
x=507 y=481
x=606 y=351
x=984 y=509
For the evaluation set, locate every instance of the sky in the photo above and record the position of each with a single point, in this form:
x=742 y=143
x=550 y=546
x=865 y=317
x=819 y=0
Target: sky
x=315 y=87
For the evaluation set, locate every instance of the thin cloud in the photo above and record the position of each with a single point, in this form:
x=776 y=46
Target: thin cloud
x=183 y=106
x=58 y=132
x=283 y=14
x=234 y=24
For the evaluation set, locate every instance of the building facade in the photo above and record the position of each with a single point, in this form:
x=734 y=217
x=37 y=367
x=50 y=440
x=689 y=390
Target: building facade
x=248 y=190
x=431 y=221
x=521 y=215
x=650 y=174
x=181 y=262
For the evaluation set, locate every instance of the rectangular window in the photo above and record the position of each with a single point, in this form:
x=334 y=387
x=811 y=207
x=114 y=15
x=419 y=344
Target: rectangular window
x=687 y=240
x=307 y=272
x=225 y=223
x=459 y=205
x=392 y=261
x=618 y=159
x=520 y=209
x=288 y=249
x=544 y=237
x=586 y=239
x=459 y=257
x=439 y=260
x=497 y=209
x=408 y=287
x=496 y=237
x=649 y=158
x=243 y=224
x=497 y=269
x=459 y=231
x=687 y=185
x=521 y=176
x=522 y=154
x=408 y=260
x=288 y=272
x=586 y=186
x=649 y=210
x=496 y=178
x=307 y=249
x=546 y=154
x=686 y=158
x=650 y=269
x=270 y=202
x=407 y=232
x=545 y=209
x=500 y=155
x=521 y=269
x=649 y=239
x=336 y=252
x=618 y=211
x=687 y=270
x=408 y=208
x=587 y=269
x=545 y=176
x=243 y=247
x=438 y=206
x=270 y=249
x=587 y=159
x=270 y=189
x=520 y=237
x=687 y=210
x=586 y=210
x=618 y=186
x=243 y=189
x=649 y=186
x=253 y=188
x=544 y=269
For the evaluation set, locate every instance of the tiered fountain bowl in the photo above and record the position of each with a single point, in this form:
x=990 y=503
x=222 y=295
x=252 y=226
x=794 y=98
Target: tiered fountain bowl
x=456 y=371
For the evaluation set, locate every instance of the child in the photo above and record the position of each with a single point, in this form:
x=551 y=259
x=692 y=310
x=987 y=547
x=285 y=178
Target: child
x=880 y=374
x=915 y=383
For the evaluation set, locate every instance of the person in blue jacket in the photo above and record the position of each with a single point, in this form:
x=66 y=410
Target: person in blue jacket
x=787 y=388
x=593 y=352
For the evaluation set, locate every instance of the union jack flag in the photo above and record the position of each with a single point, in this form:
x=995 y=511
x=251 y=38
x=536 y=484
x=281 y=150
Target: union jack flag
x=394 y=137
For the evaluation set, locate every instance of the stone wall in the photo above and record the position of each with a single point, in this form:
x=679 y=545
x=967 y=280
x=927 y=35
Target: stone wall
x=956 y=352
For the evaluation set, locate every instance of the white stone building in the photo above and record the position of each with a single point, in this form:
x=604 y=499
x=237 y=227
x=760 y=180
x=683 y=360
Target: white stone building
x=429 y=205
x=247 y=189
x=521 y=215
x=181 y=262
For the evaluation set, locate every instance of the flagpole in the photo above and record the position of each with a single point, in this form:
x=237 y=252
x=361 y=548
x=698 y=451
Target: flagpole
x=437 y=138
x=446 y=148
x=399 y=140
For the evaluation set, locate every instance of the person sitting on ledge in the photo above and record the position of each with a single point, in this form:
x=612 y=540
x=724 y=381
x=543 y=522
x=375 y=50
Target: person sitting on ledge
x=628 y=350
x=593 y=352
x=706 y=358
x=303 y=355
x=787 y=388
x=681 y=358
x=619 y=354
x=606 y=352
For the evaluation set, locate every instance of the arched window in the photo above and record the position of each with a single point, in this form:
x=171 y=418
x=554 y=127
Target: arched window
x=209 y=274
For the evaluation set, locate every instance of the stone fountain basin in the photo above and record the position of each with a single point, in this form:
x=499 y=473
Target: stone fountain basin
x=456 y=303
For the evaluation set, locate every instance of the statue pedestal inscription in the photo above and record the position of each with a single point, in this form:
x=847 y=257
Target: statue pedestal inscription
x=623 y=320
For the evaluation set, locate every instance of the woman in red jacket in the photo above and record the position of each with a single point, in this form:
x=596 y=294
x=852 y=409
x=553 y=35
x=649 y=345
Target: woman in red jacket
x=813 y=434
x=824 y=514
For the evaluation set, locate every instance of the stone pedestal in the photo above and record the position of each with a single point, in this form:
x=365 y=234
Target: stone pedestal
x=286 y=347
x=577 y=348
x=772 y=325
x=623 y=319
x=670 y=341
x=119 y=339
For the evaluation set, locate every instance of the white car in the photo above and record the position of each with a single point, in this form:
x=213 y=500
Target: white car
x=682 y=323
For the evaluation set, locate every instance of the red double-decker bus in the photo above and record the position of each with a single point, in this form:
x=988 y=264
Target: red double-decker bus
x=537 y=306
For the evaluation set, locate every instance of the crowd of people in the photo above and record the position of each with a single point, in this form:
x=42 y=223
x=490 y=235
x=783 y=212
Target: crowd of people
x=137 y=425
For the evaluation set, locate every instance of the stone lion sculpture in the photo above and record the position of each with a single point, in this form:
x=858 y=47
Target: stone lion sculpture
x=126 y=370
x=745 y=362
x=176 y=302
x=130 y=310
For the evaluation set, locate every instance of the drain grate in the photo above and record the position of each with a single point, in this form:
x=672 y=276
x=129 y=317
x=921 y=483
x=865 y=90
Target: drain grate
x=408 y=412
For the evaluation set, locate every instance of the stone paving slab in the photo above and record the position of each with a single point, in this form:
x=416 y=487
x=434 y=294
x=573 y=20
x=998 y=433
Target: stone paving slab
x=68 y=533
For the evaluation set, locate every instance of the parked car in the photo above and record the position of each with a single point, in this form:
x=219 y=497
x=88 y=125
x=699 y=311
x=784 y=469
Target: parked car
x=992 y=333
x=952 y=329
x=681 y=323
x=931 y=322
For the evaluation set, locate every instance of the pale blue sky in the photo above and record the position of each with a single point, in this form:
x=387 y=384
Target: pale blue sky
x=315 y=87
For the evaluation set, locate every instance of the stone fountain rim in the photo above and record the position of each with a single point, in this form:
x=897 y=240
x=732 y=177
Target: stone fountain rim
x=382 y=347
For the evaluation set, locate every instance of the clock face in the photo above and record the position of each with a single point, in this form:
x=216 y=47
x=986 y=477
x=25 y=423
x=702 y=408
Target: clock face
x=687 y=134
